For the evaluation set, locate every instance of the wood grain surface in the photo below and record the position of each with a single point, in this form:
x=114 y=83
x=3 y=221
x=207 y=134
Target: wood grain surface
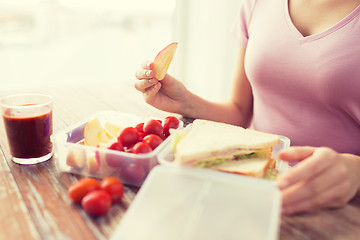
x=34 y=201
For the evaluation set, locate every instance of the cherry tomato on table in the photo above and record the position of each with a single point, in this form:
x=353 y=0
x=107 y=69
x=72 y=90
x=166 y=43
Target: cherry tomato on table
x=97 y=202
x=114 y=187
x=79 y=189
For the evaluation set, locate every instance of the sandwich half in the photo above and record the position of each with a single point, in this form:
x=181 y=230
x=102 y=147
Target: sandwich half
x=226 y=147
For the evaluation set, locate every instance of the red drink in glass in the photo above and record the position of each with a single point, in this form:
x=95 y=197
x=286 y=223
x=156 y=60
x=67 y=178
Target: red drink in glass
x=28 y=125
x=29 y=137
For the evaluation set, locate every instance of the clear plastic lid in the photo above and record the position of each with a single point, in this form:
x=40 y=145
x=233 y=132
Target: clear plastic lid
x=190 y=204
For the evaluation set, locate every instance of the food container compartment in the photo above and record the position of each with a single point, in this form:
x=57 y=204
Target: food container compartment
x=181 y=203
x=95 y=162
x=166 y=157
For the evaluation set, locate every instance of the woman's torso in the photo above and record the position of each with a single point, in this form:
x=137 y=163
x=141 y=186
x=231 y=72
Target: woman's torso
x=305 y=87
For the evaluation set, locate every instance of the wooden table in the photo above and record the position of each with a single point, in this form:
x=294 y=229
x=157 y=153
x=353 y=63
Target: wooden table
x=34 y=202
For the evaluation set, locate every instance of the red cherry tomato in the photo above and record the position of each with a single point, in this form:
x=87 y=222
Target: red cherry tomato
x=153 y=140
x=80 y=188
x=153 y=126
x=140 y=127
x=116 y=146
x=133 y=174
x=116 y=161
x=141 y=147
x=97 y=202
x=130 y=149
x=141 y=136
x=170 y=122
x=128 y=136
x=114 y=187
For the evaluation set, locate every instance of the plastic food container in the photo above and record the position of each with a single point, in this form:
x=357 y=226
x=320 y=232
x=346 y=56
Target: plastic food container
x=181 y=203
x=166 y=157
x=96 y=162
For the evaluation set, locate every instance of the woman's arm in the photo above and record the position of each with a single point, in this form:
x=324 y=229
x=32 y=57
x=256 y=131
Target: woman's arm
x=237 y=110
x=170 y=95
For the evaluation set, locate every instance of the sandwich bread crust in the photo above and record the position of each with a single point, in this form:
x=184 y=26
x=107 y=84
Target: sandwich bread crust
x=207 y=138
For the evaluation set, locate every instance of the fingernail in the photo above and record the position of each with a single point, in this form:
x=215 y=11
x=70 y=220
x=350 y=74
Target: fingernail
x=148 y=73
x=148 y=65
x=152 y=80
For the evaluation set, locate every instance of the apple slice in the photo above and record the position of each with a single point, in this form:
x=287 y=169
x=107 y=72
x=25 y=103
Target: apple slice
x=75 y=158
x=112 y=129
x=93 y=163
x=94 y=133
x=163 y=59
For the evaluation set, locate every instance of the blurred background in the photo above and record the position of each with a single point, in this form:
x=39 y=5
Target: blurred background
x=50 y=43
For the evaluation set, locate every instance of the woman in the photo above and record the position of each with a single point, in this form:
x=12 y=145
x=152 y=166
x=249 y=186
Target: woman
x=298 y=75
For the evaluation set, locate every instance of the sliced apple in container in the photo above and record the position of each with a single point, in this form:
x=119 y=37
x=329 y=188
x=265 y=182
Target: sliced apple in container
x=94 y=133
x=75 y=158
x=112 y=129
x=163 y=59
x=93 y=163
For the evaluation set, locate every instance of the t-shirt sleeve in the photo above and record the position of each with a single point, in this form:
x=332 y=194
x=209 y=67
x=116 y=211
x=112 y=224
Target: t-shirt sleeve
x=240 y=27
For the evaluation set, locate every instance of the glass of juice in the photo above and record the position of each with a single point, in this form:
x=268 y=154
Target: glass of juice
x=29 y=126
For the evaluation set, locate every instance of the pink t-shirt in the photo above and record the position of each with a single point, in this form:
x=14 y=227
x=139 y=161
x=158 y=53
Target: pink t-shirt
x=305 y=88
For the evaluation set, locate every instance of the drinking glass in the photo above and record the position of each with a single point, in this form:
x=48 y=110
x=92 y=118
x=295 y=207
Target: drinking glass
x=29 y=126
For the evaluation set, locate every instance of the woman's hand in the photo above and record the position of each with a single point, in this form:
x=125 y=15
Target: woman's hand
x=168 y=94
x=322 y=179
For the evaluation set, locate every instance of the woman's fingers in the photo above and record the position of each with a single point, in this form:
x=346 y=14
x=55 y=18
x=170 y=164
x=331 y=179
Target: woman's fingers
x=144 y=74
x=147 y=65
x=151 y=92
x=323 y=178
x=296 y=153
x=146 y=71
x=145 y=84
x=311 y=187
x=146 y=77
x=331 y=198
x=315 y=163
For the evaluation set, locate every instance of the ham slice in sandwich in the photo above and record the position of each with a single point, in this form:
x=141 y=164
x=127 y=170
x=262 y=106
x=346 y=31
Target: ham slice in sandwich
x=226 y=147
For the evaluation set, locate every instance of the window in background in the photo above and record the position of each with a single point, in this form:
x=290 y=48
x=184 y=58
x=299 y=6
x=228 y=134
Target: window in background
x=62 y=42
x=207 y=53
